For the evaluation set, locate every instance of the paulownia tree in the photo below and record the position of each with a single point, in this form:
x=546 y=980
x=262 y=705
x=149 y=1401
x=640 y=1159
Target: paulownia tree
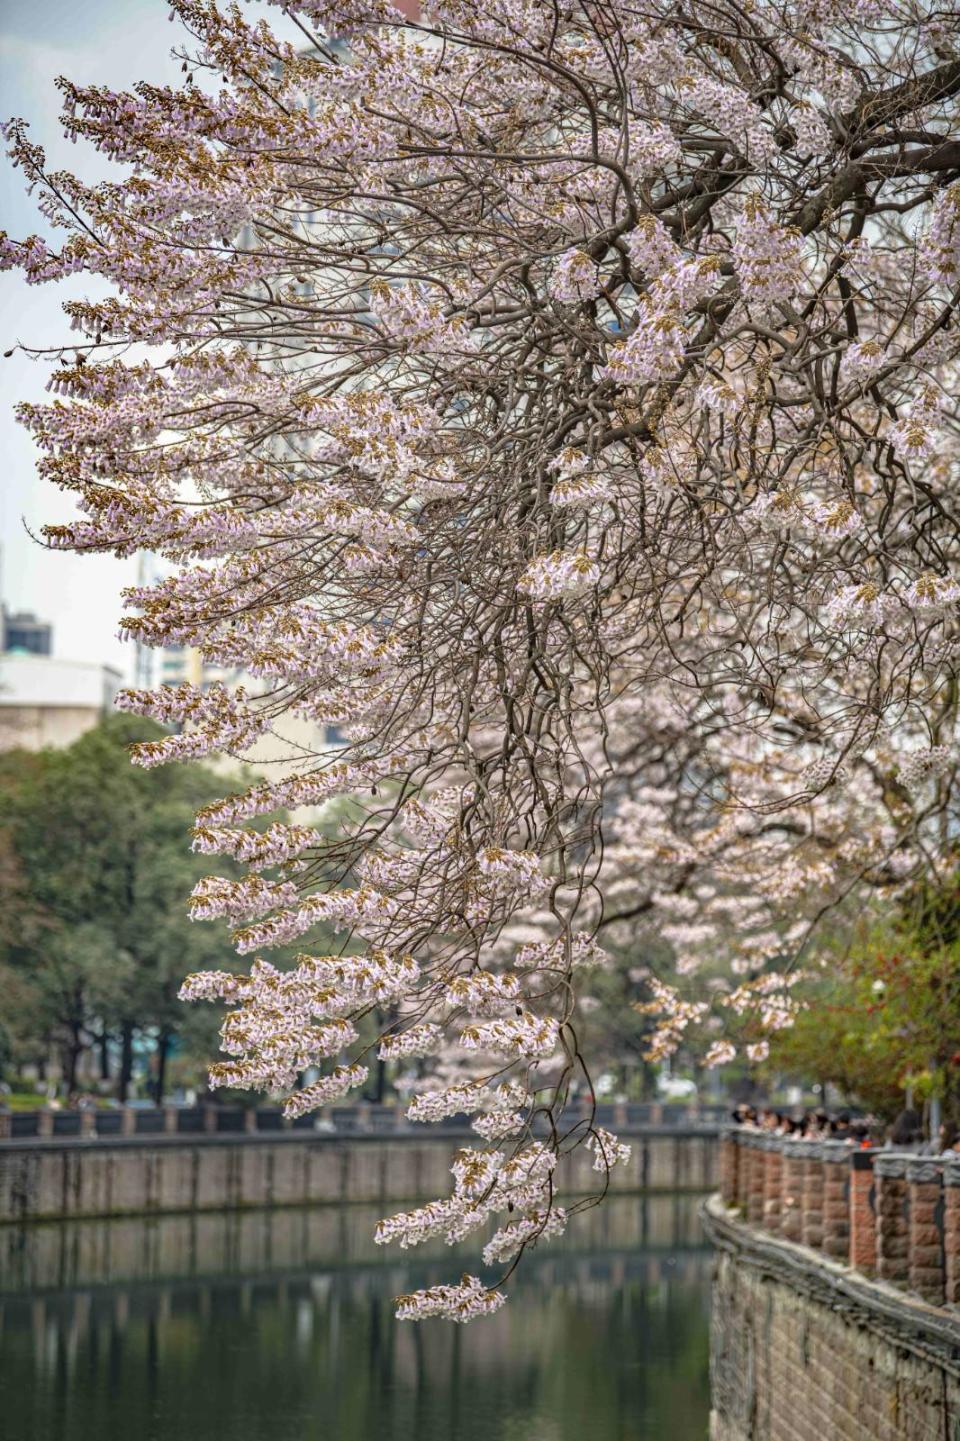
x=492 y=380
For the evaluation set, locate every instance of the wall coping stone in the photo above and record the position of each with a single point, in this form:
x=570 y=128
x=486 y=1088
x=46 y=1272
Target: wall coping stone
x=321 y=1136
x=901 y=1318
x=835 y=1152
x=892 y=1165
x=795 y=1149
x=924 y=1169
x=951 y=1170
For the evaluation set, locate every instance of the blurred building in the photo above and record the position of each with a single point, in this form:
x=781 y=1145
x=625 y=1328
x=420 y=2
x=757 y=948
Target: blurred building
x=50 y=702
x=22 y=633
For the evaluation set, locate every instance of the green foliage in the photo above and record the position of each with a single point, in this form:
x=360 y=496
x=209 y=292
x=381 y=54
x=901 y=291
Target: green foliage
x=884 y=1014
x=95 y=870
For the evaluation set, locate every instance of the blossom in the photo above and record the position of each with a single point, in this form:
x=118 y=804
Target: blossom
x=434 y=1106
x=915 y=434
x=523 y=1034
x=608 y=1151
x=475 y=1171
x=498 y=1125
x=436 y=1218
x=577 y=484
x=417 y=320
x=862 y=359
x=652 y=349
x=650 y=247
x=812 y=131
x=859 y=607
x=716 y=395
x=940 y=248
x=219 y=721
x=331 y=1088
x=837 y=519
x=258 y=849
x=415 y=1041
x=924 y=764
x=932 y=595
x=559 y=576
x=579 y=951
x=767 y=256
x=538 y=1226
x=574 y=277
x=483 y=992
x=826 y=770
x=456 y=1303
x=721 y=1053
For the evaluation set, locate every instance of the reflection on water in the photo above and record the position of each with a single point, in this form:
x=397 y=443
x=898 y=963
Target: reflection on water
x=278 y=1326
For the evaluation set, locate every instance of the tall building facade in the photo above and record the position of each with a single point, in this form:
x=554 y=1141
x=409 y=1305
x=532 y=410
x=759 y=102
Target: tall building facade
x=24 y=634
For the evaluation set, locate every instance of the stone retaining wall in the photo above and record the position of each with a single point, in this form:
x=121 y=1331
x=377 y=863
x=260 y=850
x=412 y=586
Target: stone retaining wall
x=805 y=1349
x=59 y=1179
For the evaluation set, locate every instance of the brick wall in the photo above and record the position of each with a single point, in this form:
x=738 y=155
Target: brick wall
x=892 y=1215
x=814 y=1353
x=863 y=1218
x=893 y=1224
x=951 y=1232
x=835 y=1156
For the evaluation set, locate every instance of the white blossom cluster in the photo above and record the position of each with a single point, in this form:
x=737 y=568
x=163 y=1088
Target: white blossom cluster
x=558 y=576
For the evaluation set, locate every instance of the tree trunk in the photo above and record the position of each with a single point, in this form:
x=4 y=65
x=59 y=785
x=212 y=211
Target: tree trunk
x=163 y=1052
x=380 y=1082
x=71 y=1056
x=103 y=1043
x=126 y=1060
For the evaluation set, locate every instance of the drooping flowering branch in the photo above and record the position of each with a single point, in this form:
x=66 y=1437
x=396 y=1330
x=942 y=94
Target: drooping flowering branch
x=523 y=370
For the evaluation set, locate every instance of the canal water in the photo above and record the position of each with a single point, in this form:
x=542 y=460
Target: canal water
x=278 y=1326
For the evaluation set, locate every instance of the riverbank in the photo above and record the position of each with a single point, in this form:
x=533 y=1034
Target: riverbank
x=804 y=1348
x=158 y=1175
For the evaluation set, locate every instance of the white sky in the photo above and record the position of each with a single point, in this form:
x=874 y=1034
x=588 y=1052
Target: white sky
x=104 y=42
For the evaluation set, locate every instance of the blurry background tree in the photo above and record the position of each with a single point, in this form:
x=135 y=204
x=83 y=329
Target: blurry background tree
x=884 y=1014
x=95 y=868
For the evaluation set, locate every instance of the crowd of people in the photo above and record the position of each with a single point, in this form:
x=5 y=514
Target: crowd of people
x=906 y=1133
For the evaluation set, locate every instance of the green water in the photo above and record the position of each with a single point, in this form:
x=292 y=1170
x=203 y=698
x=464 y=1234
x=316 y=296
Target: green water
x=278 y=1327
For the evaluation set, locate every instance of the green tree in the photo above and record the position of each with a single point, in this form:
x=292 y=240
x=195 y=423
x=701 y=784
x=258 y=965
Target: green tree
x=95 y=869
x=884 y=1013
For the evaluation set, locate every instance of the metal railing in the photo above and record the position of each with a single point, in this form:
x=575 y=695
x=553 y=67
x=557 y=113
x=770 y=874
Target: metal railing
x=359 y=1120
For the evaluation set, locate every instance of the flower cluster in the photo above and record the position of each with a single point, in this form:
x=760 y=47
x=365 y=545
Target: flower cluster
x=455 y=1303
x=560 y=575
x=422 y=1040
x=940 y=248
x=767 y=256
x=579 y=950
x=577 y=482
x=519 y=1035
x=574 y=277
x=607 y=1150
x=921 y=766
